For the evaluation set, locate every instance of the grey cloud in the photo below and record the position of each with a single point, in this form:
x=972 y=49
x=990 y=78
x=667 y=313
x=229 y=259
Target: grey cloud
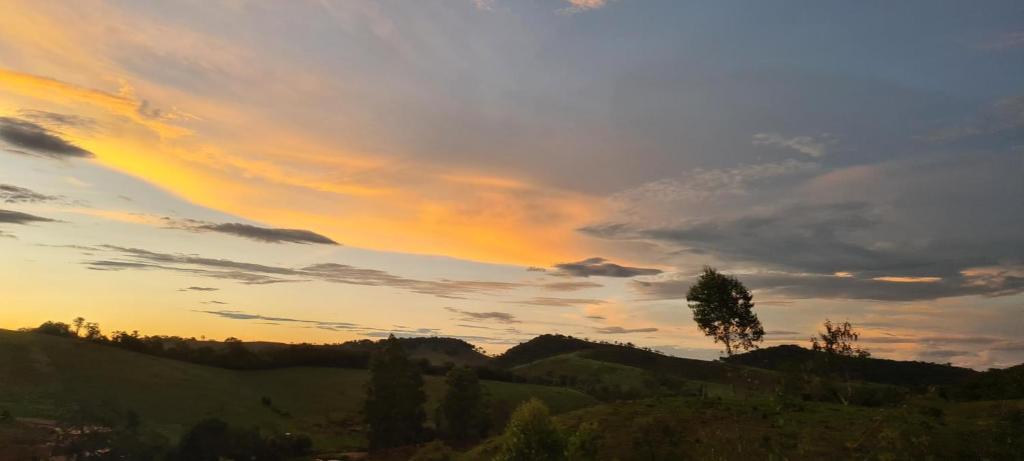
x=258 y=233
x=38 y=140
x=614 y=330
x=17 y=217
x=195 y=288
x=46 y=118
x=239 y=315
x=259 y=274
x=500 y=317
x=600 y=267
x=14 y=194
x=444 y=288
x=569 y=286
x=557 y=302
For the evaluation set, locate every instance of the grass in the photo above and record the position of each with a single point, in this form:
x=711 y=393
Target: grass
x=576 y=367
x=59 y=378
x=727 y=429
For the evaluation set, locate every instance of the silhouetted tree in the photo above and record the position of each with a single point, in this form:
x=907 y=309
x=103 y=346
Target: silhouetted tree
x=55 y=329
x=395 y=398
x=531 y=435
x=92 y=331
x=462 y=409
x=78 y=322
x=838 y=339
x=723 y=309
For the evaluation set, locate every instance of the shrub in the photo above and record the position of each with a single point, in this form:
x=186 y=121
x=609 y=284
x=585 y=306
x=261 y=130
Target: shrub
x=531 y=435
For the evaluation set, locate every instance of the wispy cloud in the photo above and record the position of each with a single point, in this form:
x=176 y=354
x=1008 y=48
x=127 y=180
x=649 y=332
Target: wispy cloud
x=615 y=330
x=259 y=274
x=469 y=316
x=252 y=232
x=601 y=267
x=17 y=217
x=14 y=194
x=807 y=145
x=578 y=6
x=557 y=302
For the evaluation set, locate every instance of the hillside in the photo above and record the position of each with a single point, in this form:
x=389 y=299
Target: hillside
x=763 y=428
x=657 y=366
x=61 y=378
x=791 y=358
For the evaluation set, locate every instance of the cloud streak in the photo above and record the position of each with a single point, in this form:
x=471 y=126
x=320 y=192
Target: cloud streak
x=38 y=140
x=601 y=267
x=259 y=274
x=17 y=217
x=257 y=233
x=14 y=194
x=470 y=316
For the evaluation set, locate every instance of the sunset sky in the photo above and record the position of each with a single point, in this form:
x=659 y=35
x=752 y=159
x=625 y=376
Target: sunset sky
x=496 y=169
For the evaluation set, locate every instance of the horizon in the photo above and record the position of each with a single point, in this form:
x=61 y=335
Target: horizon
x=491 y=170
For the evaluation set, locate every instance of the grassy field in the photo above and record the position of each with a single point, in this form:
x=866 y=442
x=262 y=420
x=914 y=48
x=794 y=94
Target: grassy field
x=727 y=429
x=49 y=377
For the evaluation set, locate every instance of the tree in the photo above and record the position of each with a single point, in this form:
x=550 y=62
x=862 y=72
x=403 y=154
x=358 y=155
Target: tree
x=55 y=329
x=531 y=435
x=92 y=331
x=394 y=398
x=723 y=309
x=583 y=444
x=838 y=339
x=462 y=409
x=78 y=322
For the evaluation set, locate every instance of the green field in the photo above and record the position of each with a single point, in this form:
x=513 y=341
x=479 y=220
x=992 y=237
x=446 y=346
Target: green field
x=58 y=378
x=736 y=429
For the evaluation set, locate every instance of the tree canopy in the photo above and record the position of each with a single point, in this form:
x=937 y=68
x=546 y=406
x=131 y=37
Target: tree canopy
x=723 y=309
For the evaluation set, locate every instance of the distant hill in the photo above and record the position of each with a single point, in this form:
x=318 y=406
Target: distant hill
x=50 y=377
x=662 y=367
x=438 y=351
x=992 y=385
x=792 y=358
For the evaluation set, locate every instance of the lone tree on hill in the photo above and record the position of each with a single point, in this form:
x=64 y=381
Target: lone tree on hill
x=723 y=309
x=394 y=398
x=838 y=339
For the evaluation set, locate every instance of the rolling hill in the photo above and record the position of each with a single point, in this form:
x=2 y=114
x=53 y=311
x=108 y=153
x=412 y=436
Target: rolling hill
x=62 y=378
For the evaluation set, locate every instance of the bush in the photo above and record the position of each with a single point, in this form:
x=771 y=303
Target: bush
x=582 y=446
x=532 y=436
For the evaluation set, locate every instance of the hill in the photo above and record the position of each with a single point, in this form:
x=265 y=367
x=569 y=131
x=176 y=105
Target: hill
x=63 y=378
x=657 y=366
x=993 y=384
x=795 y=359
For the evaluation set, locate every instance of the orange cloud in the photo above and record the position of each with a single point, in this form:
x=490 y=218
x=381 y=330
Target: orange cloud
x=908 y=279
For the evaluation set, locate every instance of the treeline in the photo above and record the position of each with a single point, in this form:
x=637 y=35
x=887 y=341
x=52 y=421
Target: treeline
x=236 y=354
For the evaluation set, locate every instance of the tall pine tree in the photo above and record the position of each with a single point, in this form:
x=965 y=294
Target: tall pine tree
x=395 y=398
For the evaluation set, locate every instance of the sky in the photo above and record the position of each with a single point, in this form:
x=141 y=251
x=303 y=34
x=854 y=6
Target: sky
x=321 y=171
